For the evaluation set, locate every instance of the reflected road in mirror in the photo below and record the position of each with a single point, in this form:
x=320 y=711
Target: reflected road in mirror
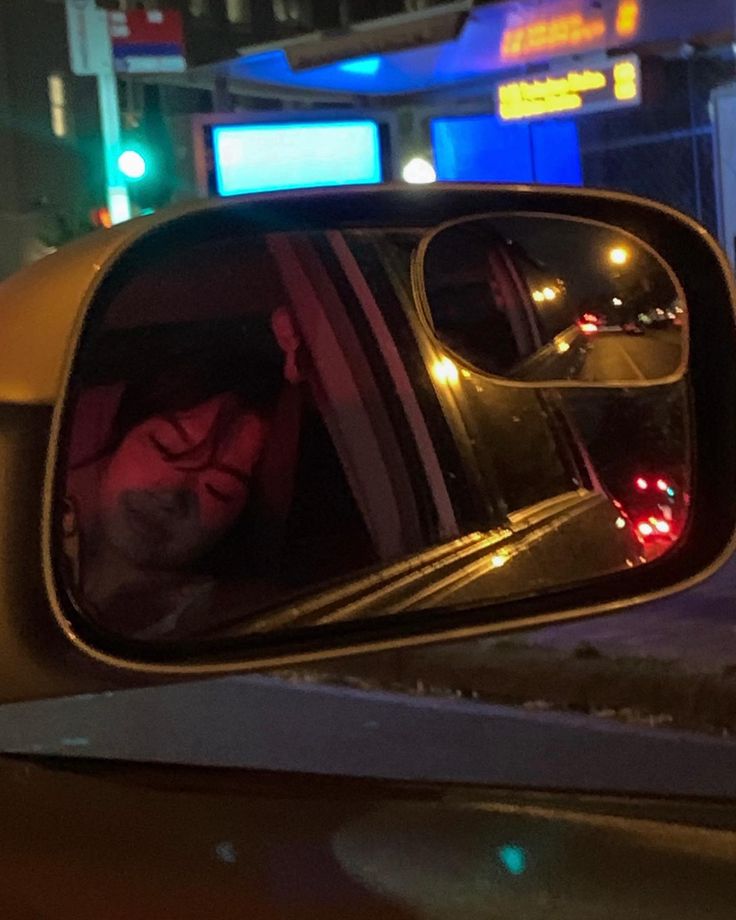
x=544 y=299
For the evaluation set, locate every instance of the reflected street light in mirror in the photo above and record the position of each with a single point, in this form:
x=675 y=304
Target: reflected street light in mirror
x=619 y=255
x=445 y=371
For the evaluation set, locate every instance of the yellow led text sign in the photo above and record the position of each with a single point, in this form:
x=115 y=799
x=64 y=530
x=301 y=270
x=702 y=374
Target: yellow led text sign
x=581 y=90
x=563 y=29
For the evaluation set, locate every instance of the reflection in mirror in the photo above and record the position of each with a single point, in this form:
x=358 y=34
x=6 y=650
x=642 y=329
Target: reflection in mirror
x=262 y=435
x=548 y=299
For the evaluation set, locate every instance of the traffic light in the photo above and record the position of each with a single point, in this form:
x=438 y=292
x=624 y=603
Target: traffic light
x=132 y=164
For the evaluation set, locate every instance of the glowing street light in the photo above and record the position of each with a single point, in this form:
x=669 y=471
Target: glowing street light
x=619 y=255
x=445 y=371
x=419 y=171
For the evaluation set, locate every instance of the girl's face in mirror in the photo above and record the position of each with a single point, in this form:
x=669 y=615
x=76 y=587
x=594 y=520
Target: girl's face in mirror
x=178 y=481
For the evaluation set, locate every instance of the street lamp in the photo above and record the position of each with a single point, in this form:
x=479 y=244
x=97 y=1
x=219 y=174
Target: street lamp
x=419 y=171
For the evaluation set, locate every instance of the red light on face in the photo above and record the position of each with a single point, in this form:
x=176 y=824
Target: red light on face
x=588 y=328
x=645 y=529
x=662 y=485
x=642 y=484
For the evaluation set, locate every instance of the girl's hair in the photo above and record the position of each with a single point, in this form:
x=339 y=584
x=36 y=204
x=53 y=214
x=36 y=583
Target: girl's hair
x=173 y=370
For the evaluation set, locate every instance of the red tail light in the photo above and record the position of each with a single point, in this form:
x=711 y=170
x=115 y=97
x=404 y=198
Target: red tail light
x=654 y=527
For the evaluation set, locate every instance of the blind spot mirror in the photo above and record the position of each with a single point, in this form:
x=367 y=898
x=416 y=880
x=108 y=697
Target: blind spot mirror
x=553 y=300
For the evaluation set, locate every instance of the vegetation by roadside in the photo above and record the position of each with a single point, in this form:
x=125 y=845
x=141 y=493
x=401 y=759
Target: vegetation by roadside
x=647 y=691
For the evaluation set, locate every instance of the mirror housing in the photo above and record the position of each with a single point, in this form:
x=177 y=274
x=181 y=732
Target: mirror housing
x=48 y=650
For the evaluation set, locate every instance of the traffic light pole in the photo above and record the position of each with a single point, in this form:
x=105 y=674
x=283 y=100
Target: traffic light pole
x=118 y=200
x=90 y=54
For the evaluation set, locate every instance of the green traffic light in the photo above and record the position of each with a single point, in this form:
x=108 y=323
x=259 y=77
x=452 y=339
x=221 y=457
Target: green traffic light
x=132 y=164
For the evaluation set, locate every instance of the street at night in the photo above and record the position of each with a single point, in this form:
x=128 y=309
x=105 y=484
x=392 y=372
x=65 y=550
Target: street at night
x=639 y=358
x=600 y=355
x=617 y=356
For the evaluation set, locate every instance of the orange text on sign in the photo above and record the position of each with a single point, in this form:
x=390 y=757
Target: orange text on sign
x=627 y=18
x=562 y=32
x=551 y=95
x=567 y=32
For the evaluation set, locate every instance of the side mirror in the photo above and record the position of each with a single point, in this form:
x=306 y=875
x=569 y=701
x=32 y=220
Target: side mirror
x=298 y=425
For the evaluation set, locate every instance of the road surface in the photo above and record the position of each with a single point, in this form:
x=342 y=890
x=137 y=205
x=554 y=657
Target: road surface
x=606 y=356
x=265 y=723
x=617 y=356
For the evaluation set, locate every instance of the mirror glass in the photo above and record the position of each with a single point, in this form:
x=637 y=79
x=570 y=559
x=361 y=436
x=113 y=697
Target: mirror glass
x=549 y=299
x=261 y=433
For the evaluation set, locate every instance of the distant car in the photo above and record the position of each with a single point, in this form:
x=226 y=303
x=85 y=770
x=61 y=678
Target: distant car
x=656 y=318
x=591 y=323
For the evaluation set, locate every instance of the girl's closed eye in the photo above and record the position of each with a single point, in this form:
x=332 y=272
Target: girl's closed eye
x=219 y=493
x=225 y=483
x=168 y=436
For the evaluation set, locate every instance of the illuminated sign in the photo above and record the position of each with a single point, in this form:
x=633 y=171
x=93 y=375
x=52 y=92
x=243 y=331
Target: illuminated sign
x=267 y=157
x=627 y=18
x=614 y=84
x=566 y=27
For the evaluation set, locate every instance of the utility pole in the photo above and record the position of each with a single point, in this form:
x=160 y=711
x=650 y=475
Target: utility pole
x=90 y=53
